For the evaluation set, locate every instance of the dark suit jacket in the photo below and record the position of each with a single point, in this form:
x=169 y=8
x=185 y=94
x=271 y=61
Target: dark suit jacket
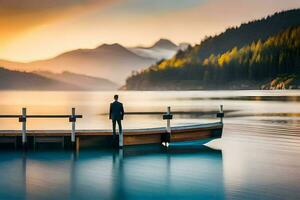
x=116 y=111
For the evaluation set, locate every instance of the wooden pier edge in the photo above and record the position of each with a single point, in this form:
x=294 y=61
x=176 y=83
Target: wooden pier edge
x=130 y=137
x=72 y=139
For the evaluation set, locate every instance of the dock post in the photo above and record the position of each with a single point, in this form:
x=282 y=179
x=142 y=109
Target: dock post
x=222 y=113
x=73 y=120
x=169 y=120
x=166 y=138
x=23 y=120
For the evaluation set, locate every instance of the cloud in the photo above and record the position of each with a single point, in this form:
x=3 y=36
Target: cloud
x=17 y=16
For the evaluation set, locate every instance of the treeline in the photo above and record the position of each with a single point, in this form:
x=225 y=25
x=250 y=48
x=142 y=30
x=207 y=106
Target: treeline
x=260 y=60
x=247 y=33
x=239 y=67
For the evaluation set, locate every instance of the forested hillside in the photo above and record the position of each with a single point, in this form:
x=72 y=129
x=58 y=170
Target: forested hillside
x=247 y=33
x=247 y=66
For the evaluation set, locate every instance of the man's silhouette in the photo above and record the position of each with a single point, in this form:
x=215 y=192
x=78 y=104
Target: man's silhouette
x=116 y=114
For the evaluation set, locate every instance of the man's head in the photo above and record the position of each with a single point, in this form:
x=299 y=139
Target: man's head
x=116 y=97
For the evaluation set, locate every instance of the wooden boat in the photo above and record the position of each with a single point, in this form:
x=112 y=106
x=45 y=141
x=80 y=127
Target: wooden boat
x=178 y=134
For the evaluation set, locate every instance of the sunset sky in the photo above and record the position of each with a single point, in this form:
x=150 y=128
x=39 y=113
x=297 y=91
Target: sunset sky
x=38 y=29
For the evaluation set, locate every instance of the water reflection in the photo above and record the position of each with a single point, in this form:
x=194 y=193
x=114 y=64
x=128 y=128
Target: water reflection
x=130 y=173
x=256 y=171
x=259 y=158
x=255 y=162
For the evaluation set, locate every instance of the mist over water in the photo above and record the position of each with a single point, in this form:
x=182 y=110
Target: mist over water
x=257 y=157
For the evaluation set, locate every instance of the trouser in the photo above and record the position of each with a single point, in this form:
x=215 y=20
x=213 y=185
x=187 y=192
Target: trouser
x=114 y=121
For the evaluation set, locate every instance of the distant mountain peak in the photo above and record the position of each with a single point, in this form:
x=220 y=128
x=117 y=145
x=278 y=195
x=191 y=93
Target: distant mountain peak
x=111 y=46
x=165 y=44
x=162 y=49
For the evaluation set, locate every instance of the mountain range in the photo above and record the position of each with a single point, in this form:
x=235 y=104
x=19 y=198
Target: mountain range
x=162 y=49
x=42 y=80
x=112 y=61
x=16 y=80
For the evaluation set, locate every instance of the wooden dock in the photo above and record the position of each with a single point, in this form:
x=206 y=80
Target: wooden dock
x=74 y=138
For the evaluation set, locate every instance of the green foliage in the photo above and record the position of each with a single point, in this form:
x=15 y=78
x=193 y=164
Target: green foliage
x=277 y=55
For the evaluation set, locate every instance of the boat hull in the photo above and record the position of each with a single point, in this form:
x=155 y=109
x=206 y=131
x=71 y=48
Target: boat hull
x=205 y=132
x=89 y=138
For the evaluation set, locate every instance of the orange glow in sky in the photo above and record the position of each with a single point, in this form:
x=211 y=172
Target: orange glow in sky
x=32 y=30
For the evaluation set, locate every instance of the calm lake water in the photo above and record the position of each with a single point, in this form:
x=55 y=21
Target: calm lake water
x=257 y=158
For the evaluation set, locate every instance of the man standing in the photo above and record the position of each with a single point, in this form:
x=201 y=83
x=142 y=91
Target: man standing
x=116 y=114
